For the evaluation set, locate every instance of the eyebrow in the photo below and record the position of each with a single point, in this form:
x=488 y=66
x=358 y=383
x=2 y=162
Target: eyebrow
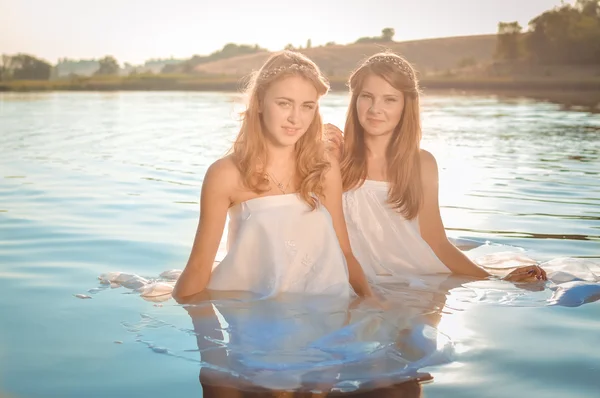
x=385 y=95
x=291 y=100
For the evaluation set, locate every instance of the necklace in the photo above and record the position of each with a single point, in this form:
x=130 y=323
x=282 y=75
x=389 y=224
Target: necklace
x=279 y=184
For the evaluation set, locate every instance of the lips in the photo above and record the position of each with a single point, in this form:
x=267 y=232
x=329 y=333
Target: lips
x=291 y=131
x=375 y=123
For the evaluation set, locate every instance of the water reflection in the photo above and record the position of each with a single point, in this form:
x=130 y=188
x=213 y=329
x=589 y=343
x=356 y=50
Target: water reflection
x=408 y=389
x=315 y=344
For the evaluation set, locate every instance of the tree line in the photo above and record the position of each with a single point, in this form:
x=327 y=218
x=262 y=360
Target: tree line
x=28 y=67
x=569 y=34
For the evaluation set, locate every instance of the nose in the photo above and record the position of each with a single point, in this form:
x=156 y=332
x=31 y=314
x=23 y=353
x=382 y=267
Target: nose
x=294 y=115
x=375 y=106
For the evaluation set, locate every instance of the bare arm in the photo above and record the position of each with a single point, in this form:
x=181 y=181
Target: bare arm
x=333 y=203
x=434 y=233
x=214 y=203
x=432 y=227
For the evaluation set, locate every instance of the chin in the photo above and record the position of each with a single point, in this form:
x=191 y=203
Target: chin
x=378 y=132
x=287 y=141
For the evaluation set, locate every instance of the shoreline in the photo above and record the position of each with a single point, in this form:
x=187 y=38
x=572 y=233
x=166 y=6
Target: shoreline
x=233 y=83
x=570 y=93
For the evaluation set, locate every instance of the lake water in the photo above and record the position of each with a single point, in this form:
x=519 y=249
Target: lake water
x=92 y=183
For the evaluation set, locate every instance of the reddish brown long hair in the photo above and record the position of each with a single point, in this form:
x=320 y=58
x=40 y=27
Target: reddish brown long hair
x=402 y=154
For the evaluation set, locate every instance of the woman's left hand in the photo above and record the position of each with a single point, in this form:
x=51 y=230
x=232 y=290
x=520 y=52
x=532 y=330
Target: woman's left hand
x=526 y=273
x=335 y=138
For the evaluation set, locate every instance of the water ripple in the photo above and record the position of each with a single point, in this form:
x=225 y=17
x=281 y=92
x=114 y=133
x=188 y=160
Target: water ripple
x=96 y=182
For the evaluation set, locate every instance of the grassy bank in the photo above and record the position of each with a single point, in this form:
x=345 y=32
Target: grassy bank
x=233 y=83
x=567 y=91
x=129 y=83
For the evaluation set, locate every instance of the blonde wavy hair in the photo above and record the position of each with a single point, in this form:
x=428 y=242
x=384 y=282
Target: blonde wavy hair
x=249 y=151
x=403 y=170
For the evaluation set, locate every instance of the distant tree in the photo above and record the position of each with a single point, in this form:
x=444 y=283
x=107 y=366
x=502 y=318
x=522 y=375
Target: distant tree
x=387 y=34
x=108 y=66
x=368 y=39
x=588 y=7
x=53 y=73
x=162 y=61
x=566 y=35
x=5 y=72
x=309 y=43
x=27 y=67
x=508 y=41
x=230 y=50
x=170 y=68
x=289 y=47
x=330 y=43
x=188 y=67
x=233 y=50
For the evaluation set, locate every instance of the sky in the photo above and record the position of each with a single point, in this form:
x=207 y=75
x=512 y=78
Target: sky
x=136 y=30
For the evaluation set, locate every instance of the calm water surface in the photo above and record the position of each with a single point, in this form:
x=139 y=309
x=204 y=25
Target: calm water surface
x=97 y=182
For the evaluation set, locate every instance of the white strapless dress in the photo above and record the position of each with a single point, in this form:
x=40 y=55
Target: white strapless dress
x=277 y=244
x=383 y=241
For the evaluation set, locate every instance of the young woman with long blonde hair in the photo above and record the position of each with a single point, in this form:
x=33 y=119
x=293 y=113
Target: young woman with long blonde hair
x=283 y=196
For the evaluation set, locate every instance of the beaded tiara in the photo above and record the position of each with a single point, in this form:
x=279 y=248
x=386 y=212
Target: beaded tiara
x=272 y=72
x=398 y=62
x=390 y=59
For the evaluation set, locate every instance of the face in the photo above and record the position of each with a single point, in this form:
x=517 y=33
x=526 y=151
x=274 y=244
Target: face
x=379 y=106
x=288 y=109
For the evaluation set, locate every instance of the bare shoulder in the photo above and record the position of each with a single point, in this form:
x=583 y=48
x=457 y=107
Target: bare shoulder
x=222 y=176
x=428 y=162
x=429 y=168
x=224 y=167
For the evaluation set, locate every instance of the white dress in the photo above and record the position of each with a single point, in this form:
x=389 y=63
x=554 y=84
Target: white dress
x=277 y=244
x=280 y=250
x=384 y=242
x=307 y=331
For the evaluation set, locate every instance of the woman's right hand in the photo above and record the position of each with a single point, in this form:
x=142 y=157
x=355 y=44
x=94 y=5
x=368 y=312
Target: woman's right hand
x=526 y=274
x=335 y=139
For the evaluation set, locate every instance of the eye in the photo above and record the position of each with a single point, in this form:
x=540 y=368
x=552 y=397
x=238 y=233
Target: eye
x=391 y=99
x=364 y=96
x=309 y=106
x=284 y=104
